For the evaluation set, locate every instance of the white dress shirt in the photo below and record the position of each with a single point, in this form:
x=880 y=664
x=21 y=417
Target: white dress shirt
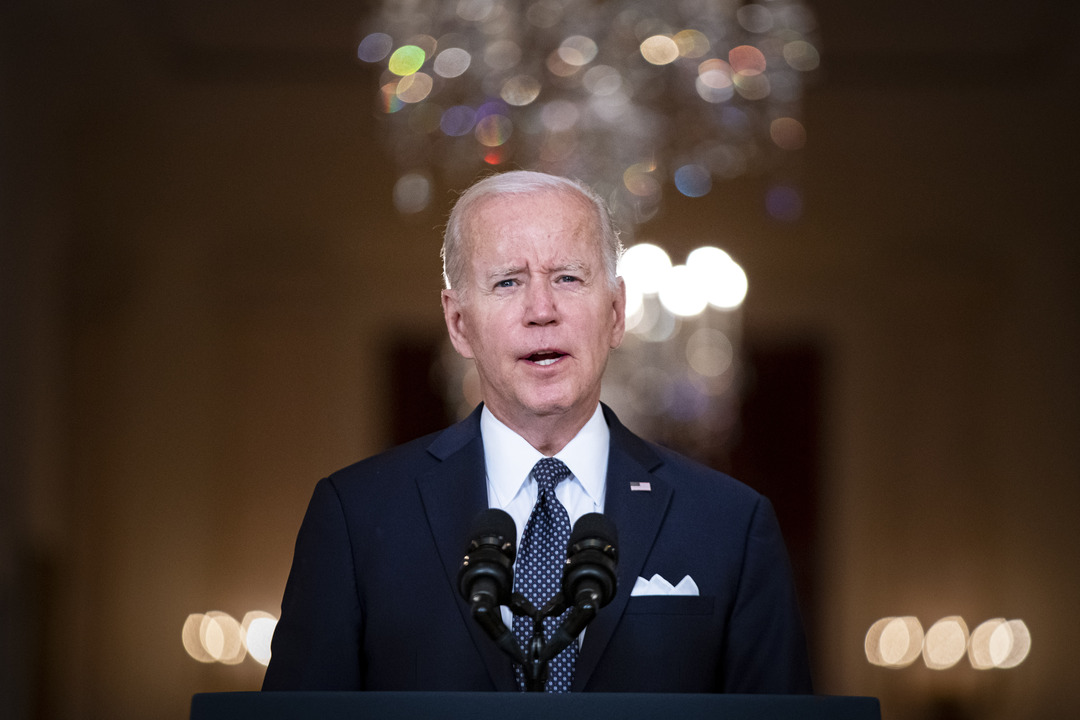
x=509 y=460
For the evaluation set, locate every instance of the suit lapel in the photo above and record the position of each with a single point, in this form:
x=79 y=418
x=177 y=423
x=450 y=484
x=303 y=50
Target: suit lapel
x=638 y=516
x=453 y=493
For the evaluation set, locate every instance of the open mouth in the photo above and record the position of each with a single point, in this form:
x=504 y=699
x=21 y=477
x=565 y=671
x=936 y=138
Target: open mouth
x=545 y=358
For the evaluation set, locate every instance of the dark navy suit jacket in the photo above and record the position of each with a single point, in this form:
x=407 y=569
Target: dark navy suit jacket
x=371 y=602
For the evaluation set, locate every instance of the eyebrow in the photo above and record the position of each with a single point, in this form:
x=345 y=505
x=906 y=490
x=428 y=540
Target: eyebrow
x=505 y=272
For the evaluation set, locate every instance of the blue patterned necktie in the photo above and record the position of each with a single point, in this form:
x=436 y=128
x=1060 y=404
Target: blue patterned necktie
x=538 y=574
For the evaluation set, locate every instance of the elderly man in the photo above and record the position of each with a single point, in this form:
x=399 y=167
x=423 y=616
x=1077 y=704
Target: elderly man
x=372 y=601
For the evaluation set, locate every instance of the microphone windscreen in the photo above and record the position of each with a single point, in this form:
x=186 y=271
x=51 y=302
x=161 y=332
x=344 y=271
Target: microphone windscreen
x=494 y=523
x=594 y=526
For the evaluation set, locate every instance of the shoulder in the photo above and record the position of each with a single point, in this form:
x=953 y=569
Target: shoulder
x=683 y=472
x=386 y=468
x=700 y=484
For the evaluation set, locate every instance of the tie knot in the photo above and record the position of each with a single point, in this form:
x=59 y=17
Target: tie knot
x=549 y=472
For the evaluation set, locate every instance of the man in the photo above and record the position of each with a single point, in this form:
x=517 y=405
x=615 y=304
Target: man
x=372 y=601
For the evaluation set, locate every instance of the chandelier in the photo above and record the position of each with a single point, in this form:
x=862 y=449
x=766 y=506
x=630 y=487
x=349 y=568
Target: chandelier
x=629 y=96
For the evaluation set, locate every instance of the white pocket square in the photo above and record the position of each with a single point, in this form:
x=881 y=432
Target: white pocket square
x=657 y=585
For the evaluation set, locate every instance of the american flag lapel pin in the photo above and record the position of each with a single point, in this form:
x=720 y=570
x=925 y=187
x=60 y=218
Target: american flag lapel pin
x=638 y=486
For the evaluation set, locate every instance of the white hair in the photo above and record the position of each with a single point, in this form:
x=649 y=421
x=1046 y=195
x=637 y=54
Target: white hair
x=523 y=182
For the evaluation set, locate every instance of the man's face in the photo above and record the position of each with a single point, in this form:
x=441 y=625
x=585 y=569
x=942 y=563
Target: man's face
x=537 y=314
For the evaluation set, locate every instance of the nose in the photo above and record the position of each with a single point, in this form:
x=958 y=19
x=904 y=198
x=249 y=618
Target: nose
x=540 y=306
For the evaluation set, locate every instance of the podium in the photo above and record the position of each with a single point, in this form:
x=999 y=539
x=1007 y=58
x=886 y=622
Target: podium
x=526 y=706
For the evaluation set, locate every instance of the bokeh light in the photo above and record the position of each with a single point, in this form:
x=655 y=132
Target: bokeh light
x=996 y=643
x=681 y=294
x=709 y=352
x=747 y=60
x=784 y=203
x=578 y=50
x=660 y=50
x=589 y=90
x=894 y=642
x=452 y=62
x=216 y=636
x=258 y=631
x=220 y=636
x=520 y=90
x=693 y=180
x=788 y=133
x=414 y=88
x=945 y=643
x=1010 y=643
x=724 y=279
x=406 y=60
x=412 y=193
x=644 y=266
x=374 y=47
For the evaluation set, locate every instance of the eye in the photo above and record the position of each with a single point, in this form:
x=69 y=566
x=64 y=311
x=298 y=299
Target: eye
x=568 y=279
x=506 y=283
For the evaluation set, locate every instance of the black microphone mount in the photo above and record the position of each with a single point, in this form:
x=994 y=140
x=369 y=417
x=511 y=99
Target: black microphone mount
x=588 y=583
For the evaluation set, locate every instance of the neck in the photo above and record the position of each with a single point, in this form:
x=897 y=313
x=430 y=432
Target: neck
x=547 y=433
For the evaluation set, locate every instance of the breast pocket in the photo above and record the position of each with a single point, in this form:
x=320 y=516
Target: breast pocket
x=670 y=605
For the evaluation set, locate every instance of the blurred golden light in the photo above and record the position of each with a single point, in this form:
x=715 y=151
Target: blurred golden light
x=659 y=50
x=644 y=266
x=640 y=181
x=709 y=352
x=945 y=643
x=191 y=636
x=414 y=88
x=682 y=294
x=714 y=83
x=725 y=280
x=894 y=642
x=1010 y=644
x=520 y=90
x=979 y=654
x=258 y=630
x=578 y=50
x=220 y=636
x=691 y=43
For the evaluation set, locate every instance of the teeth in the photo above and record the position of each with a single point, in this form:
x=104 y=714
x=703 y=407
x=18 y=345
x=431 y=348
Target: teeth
x=546 y=362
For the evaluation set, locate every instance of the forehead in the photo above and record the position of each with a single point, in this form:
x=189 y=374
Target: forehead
x=548 y=223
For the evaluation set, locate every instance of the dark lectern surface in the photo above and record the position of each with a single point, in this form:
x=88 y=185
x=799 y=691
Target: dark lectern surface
x=526 y=706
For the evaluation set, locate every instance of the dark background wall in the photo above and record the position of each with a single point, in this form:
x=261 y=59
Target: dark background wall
x=202 y=282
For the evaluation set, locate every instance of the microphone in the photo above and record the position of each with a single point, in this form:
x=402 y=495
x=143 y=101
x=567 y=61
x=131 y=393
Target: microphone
x=487 y=576
x=591 y=556
x=589 y=579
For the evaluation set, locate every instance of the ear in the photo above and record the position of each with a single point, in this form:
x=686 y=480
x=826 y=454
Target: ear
x=618 y=330
x=455 y=323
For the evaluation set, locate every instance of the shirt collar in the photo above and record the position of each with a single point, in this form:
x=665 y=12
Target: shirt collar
x=509 y=458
